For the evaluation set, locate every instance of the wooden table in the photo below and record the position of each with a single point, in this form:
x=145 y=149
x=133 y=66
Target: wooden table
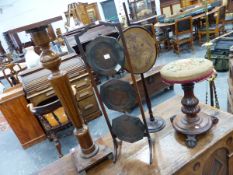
x=13 y=33
x=166 y=25
x=214 y=152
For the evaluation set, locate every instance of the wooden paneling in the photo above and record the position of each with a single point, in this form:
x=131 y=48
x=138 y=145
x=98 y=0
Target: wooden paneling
x=170 y=156
x=13 y=105
x=169 y=7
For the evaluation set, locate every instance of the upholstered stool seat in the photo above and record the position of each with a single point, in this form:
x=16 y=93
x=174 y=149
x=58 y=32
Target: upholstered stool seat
x=192 y=122
x=187 y=70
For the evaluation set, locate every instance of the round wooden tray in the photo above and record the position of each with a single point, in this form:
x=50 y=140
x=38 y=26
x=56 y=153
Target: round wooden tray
x=142 y=49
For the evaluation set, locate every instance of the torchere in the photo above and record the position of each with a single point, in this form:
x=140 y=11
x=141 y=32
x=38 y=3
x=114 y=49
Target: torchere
x=187 y=72
x=90 y=152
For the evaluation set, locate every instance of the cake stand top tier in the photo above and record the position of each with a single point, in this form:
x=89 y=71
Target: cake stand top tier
x=187 y=71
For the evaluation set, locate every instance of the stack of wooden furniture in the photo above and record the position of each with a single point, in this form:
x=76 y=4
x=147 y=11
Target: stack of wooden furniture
x=82 y=12
x=39 y=91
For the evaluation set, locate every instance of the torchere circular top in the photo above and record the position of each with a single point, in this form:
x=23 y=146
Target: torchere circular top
x=142 y=49
x=105 y=55
x=187 y=71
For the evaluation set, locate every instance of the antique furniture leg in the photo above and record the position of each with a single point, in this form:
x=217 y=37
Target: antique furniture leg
x=155 y=124
x=89 y=153
x=193 y=122
x=57 y=144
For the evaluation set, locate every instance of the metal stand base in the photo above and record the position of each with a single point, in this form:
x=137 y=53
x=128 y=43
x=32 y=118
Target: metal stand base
x=156 y=125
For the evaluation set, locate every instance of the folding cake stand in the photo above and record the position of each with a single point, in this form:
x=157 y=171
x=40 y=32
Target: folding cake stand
x=106 y=56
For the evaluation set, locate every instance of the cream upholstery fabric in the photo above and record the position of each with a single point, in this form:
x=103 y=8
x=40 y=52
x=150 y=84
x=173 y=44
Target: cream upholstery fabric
x=187 y=70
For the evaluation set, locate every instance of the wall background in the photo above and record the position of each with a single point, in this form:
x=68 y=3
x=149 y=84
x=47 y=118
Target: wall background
x=18 y=13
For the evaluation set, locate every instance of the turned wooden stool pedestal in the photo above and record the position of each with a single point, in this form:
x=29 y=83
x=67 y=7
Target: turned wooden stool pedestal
x=186 y=72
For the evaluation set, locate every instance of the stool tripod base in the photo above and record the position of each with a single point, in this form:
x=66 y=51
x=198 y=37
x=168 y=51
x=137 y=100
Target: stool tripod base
x=155 y=125
x=191 y=129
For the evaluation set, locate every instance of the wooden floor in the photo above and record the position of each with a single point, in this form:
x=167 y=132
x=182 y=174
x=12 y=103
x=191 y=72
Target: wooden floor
x=169 y=151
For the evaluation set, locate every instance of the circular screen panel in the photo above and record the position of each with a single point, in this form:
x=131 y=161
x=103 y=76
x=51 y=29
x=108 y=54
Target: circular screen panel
x=142 y=49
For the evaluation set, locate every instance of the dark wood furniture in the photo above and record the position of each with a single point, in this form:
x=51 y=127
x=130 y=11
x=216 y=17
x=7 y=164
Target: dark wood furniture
x=38 y=89
x=213 y=154
x=53 y=119
x=13 y=39
x=13 y=105
x=183 y=33
x=214 y=28
x=153 y=81
x=88 y=36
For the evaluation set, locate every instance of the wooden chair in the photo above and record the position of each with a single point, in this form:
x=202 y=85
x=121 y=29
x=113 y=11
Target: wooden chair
x=183 y=33
x=53 y=119
x=10 y=72
x=214 y=28
x=162 y=35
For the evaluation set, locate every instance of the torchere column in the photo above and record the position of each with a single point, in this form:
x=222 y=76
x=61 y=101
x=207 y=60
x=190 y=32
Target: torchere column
x=61 y=85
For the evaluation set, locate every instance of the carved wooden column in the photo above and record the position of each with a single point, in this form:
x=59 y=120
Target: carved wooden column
x=61 y=85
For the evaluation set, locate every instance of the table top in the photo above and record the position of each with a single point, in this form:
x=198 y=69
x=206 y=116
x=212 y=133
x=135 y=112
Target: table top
x=170 y=152
x=161 y=25
x=34 y=25
x=90 y=34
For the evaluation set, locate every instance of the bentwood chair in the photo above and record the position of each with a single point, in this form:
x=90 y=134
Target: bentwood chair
x=214 y=28
x=183 y=33
x=53 y=119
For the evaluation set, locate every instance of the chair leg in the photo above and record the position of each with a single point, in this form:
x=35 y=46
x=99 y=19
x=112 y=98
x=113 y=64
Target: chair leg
x=191 y=44
x=176 y=48
x=57 y=144
x=199 y=38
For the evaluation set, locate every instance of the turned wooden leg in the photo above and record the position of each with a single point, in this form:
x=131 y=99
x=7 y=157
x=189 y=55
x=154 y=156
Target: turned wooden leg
x=191 y=43
x=199 y=38
x=192 y=122
x=57 y=144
